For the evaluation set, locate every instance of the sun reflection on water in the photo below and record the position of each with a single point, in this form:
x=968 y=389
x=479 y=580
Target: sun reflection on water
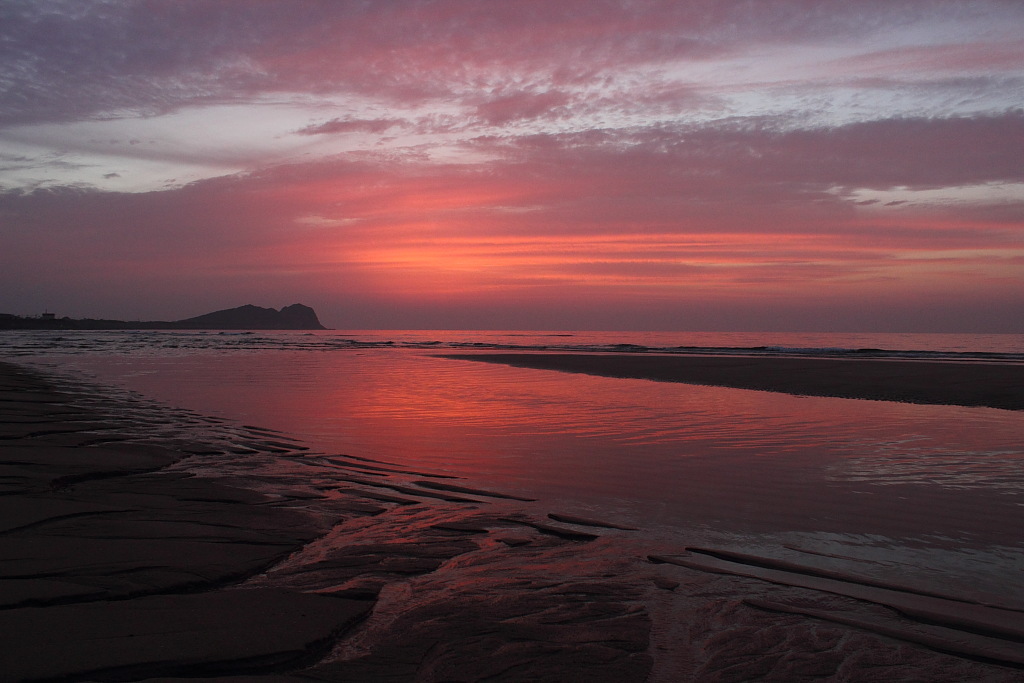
x=664 y=454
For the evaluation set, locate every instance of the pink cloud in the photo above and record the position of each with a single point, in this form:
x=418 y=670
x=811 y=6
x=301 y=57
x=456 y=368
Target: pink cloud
x=987 y=56
x=718 y=215
x=645 y=210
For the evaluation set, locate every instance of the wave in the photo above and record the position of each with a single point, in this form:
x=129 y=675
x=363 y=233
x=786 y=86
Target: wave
x=170 y=342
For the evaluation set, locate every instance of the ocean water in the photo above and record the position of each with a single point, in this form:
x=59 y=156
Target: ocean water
x=934 y=493
x=998 y=347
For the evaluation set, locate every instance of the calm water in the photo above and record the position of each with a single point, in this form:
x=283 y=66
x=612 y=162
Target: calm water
x=936 y=492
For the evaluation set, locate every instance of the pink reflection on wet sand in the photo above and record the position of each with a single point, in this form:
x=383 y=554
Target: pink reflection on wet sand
x=660 y=454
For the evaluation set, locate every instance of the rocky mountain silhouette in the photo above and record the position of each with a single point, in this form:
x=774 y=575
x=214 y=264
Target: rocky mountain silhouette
x=249 y=317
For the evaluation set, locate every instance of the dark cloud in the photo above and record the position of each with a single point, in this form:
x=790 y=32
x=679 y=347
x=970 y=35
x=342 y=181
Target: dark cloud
x=522 y=106
x=70 y=59
x=336 y=126
x=736 y=156
x=901 y=152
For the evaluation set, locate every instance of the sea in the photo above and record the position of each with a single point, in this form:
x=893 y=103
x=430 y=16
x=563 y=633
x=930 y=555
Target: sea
x=926 y=494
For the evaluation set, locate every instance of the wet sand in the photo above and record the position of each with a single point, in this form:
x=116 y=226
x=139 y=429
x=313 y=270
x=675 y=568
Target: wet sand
x=964 y=384
x=120 y=564
x=144 y=543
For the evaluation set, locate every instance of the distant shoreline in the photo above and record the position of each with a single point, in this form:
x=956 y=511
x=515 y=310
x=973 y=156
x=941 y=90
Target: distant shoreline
x=83 y=324
x=247 y=317
x=989 y=385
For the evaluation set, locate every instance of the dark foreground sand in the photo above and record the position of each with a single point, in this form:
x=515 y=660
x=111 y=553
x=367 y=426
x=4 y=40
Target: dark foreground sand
x=130 y=551
x=116 y=564
x=965 y=384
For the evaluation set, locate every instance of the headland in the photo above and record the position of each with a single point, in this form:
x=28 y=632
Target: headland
x=248 y=317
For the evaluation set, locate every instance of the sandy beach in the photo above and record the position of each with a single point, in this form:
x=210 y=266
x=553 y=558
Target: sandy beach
x=966 y=384
x=119 y=564
x=143 y=543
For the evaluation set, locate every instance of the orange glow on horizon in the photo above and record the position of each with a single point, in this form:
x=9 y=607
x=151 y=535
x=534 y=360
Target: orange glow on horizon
x=426 y=267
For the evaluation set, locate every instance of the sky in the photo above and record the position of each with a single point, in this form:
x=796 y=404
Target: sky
x=775 y=165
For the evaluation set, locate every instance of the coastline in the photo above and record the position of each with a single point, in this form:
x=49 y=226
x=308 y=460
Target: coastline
x=927 y=382
x=232 y=551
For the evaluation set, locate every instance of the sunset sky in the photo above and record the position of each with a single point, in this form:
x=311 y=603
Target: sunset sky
x=818 y=165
